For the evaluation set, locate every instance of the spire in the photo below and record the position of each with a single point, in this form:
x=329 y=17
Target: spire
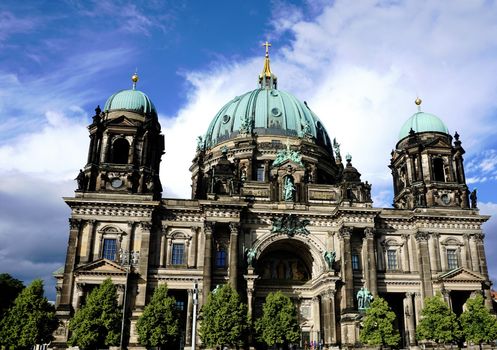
x=134 y=79
x=267 y=79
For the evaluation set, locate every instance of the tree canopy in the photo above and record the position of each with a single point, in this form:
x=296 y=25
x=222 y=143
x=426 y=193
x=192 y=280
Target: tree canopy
x=378 y=325
x=438 y=322
x=278 y=324
x=159 y=324
x=97 y=324
x=478 y=324
x=10 y=288
x=224 y=319
x=30 y=321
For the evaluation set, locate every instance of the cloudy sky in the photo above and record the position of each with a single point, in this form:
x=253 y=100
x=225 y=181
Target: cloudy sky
x=358 y=64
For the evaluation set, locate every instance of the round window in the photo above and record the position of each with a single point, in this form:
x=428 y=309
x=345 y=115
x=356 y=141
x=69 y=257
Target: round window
x=226 y=118
x=116 y=182
x=274 y=93
x=276 y=112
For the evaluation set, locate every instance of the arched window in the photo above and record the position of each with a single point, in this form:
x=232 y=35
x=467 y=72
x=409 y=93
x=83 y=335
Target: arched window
x=438 y=169
x=120 y=151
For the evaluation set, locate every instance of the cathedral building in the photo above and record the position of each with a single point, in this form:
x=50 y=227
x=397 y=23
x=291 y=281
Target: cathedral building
x=274 y=206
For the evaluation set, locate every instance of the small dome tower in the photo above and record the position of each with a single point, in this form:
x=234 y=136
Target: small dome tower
x=427 y=168
x=126 y=146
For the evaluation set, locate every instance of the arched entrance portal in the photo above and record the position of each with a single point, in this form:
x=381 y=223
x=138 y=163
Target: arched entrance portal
x=287 y=265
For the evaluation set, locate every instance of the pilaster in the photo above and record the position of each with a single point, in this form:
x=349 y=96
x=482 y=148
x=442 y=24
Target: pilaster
x=233 y=262
x=207 y=275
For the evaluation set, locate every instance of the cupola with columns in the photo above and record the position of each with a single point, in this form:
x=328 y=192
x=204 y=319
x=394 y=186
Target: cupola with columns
x=126 y=146
x=427 y=166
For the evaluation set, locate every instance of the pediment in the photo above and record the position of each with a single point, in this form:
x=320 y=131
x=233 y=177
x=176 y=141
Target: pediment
x=286 y=163
x=461 y=274
x=438 y=142
x=101 y=266
x=122 y=121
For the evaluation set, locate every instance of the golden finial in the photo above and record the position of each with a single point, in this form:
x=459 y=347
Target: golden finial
x=134 y=79
x=418 y=102
x=266 y=71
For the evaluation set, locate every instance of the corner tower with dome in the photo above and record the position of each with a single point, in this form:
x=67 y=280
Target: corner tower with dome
x=273 y=207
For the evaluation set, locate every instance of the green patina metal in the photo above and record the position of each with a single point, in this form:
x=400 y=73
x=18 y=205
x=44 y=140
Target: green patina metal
x=287 y=154
x=290 y=224
x=133 y=100
x=422 y=122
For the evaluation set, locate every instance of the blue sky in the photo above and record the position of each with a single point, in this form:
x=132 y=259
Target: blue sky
x=359 y=65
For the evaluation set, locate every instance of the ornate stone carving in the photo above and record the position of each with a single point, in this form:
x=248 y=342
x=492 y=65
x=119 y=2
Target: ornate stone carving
x=234 y=227
x=145 y=225
x=478 y=236
x=369 y=232
x=208 y=227
x=345 y=232
x=421 y=236
x=290 y=225
x=74 y=223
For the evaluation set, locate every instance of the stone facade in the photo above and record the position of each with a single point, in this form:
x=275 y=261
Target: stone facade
x=288 y=200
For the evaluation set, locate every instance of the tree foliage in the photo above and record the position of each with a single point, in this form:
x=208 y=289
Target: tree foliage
x=477 y=323
x=438 y=323
x=159 y=323
x=378 y=325
x=224 y=319
x=97 y=324
x=31 y=320
x=9 y=290
x=278 y=324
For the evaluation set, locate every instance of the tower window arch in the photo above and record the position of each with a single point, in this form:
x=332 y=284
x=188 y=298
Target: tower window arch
x=120 y=151
x=438 y=169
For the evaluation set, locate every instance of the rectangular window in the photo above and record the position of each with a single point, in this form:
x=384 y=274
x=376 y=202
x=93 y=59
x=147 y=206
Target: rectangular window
x=180 y=305
x=177 y=254
x=452 y=259
x=220 y=258
x=109 y=249
x=355 y=262
x=391 y=260
x=260 y=173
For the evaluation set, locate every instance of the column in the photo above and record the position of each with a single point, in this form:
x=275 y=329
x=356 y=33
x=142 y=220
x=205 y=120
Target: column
x=409 y=318
x=120 y=294
x=407 y=264
x=371 y=256
x=424 y=264
x=79 y=295
x=67 y=281
x=250 y=278
x=233 y=263
x=143 y=264
x=467 y=253
x=329 y=322
x=474 y=254
x=89 y=241
x=105 y=147
x=418 y=306
x=206 y=288
x=316 y=317
x=437 y=266
x=192 y=256
x=480 y=249
x=189 y=318
x=347 y=274
x=58 y=291
x=163 y=246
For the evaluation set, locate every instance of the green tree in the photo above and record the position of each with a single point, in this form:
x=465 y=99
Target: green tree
x=9 y=290
x=97 y=324
x=438 y=323
x=30 y=321
x=159 y=323
x=278 y=324
x=477 y=323
x=378 y=325
x=224 y=319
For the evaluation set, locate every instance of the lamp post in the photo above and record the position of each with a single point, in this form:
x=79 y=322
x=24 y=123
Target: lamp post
x=194 y=320
x=127 y=259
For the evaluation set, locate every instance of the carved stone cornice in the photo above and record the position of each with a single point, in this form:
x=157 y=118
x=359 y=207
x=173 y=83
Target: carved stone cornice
x=112 y=209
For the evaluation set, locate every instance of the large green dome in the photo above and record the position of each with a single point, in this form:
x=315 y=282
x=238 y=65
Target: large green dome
x=133 y=100
x=266 y=111
x=422 y=122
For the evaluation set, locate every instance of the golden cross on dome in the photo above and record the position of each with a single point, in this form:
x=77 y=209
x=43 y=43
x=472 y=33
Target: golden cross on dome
x=267 y=45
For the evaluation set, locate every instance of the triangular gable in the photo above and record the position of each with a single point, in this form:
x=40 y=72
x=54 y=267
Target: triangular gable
x=460 y=274
x=288 y=162
x=438 y=142
x=101 y=266
x=121 y=121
